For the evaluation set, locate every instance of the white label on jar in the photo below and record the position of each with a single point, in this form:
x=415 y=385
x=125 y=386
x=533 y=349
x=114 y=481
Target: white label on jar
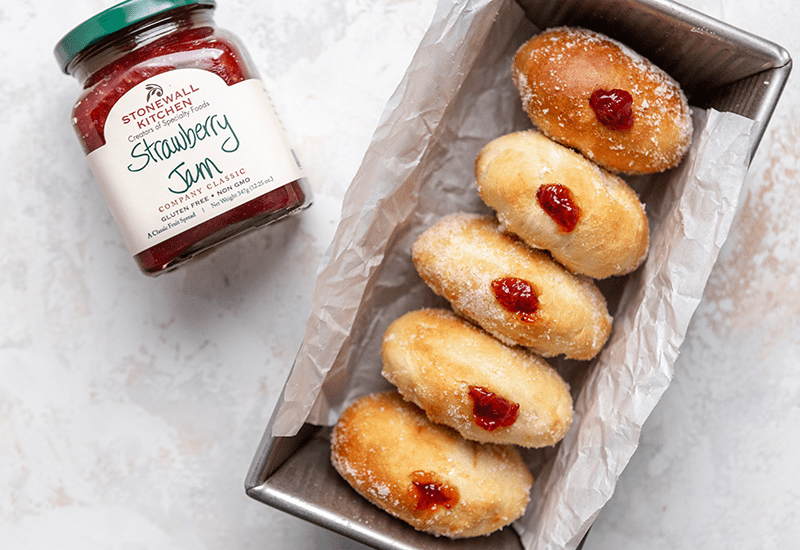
x=183 y=147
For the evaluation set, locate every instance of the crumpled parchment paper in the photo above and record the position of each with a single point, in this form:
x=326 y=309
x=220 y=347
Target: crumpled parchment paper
x=456 y=96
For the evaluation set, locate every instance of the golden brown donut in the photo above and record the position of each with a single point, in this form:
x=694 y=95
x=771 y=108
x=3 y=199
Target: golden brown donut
x=476 y=265
x=426 y=474
x=554 y=199
x=466 y=379
x=556 y=73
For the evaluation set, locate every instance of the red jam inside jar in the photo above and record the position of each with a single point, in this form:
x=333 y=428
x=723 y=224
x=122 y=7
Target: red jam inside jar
x=429 y=491
x=558 y=202
x=492 y=411
x=517 y=296
x=178 y=129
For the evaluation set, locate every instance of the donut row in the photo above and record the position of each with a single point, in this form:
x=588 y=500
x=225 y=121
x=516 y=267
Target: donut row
x=441 y=450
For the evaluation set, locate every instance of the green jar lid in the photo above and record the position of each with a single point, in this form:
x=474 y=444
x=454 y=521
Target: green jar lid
x=112 y=20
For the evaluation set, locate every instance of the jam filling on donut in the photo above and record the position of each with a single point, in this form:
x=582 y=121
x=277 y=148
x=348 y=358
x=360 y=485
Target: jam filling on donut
x=614 y=109
x=430 y=491
x=558 y=202
x=492 y=411
x=517 y=296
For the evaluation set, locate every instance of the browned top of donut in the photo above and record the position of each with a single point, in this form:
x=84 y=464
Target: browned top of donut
x=557 y=72
x=463 y=255
x=611 y=232
x=466 y=379
x=385 y=447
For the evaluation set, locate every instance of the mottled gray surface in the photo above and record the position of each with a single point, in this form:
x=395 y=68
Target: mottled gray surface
x=130 y=408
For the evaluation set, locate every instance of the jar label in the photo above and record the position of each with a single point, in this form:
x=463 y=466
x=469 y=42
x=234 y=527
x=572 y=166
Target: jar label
x=183 y=147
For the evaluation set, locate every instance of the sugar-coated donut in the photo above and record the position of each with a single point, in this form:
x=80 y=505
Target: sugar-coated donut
x=466 y=379
x=590 y=220
x=557 y=73
x=426 y=474
x=516 y=293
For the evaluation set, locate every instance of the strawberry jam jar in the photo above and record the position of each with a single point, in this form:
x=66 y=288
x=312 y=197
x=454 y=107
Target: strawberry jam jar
x=178 y=129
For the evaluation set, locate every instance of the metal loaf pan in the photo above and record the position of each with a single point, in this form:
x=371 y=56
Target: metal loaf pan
x=718 y=67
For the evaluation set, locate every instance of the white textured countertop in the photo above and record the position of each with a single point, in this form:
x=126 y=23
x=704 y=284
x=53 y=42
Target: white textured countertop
x=130 y=408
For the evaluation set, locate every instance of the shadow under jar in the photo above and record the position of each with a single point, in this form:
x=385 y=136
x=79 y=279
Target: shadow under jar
x=179 y=130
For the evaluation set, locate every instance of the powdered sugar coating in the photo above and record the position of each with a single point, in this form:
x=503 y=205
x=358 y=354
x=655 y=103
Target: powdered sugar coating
x=463 y=253
x=612 y=233
x=557 y=71
x=434 y=357
x=380 y=441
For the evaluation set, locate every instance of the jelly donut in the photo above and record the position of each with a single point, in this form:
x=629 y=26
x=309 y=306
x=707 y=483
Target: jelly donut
x=466 y=379
x=592 y=93
x=426 y=474
x=516 y=293
x=590 y=220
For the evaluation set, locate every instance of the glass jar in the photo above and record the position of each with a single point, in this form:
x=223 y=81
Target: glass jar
x=179 y=130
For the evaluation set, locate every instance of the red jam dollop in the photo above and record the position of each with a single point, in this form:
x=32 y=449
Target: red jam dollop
x=492 y=411
x=614 y=109
x=557 y=200
x=517 y=296
x=430 y=492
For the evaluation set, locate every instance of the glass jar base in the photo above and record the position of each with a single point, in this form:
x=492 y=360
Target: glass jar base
x=269 y=208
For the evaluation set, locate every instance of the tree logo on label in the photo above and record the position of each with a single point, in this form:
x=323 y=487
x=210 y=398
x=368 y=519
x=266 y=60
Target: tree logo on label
x=153 y=90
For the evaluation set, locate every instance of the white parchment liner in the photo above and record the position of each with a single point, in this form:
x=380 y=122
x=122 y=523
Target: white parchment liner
x=455 y=97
